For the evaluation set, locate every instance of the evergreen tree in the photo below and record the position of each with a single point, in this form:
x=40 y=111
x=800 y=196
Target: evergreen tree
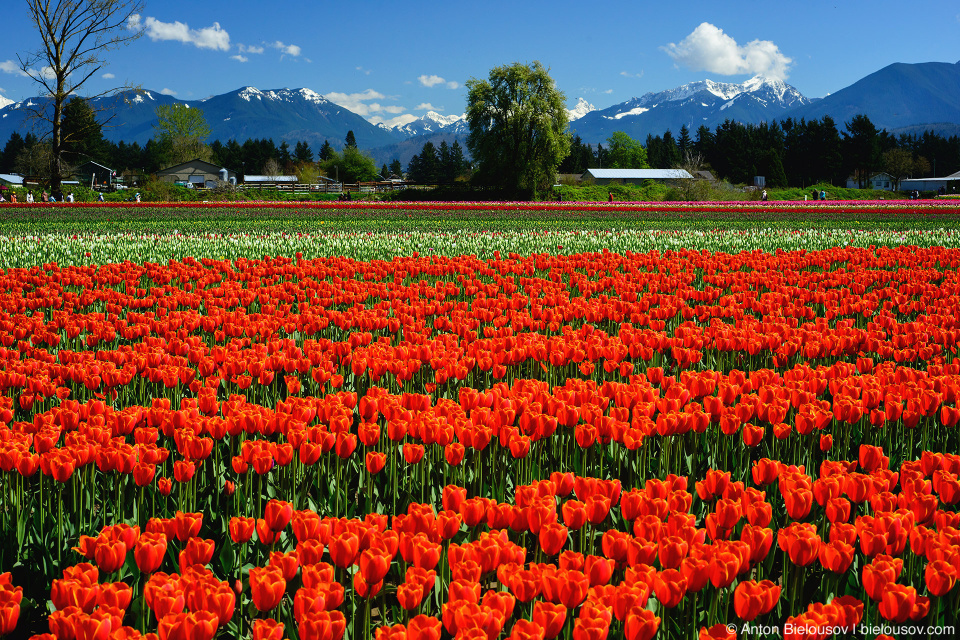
x=302 y=152
x=684 y=143
x=396 y=169
x=579 y=159
x=445 y=170
x=284 y=157
x=458 y=164
x=351 y=140
x=81 y=134
x=671 y=153
x=8 y=158
x=326 y=151
x=861 y=148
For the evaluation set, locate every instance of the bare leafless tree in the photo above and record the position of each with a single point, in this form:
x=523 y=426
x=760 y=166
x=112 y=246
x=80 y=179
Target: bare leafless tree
x=75 y=36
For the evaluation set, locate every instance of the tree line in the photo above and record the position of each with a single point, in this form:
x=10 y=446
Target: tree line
x=788 y=152
x=177 y=141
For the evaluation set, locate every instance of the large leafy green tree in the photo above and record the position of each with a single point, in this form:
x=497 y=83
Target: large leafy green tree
x=518 y=127
x=182 y=131
x=625 y=153
x=352 y=165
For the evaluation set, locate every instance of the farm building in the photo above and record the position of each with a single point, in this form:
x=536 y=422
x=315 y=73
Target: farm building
x=880 y=181
x=93 y=174
x=11 y=180
x=196 y=172
x=268 y=181
x=633 y=176
x=948 y=183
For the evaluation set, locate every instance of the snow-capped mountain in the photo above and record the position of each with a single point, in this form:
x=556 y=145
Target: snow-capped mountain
x=4 y=102
x=281 y=114
x=581 y=109
x=430 y=123
x=706 y=103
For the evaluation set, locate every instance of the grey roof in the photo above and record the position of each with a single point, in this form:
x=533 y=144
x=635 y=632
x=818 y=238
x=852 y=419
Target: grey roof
x=248 y=178
x=11 y=178
x=637 y=174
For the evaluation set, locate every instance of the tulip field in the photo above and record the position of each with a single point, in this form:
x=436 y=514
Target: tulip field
x=674 y=421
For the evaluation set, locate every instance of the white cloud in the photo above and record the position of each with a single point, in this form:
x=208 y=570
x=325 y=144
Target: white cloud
x=627 y=74
x=212 y=37
x=288 y=49
x=239 y=58
x=365 y=72
x=434 y=80
x=242 y=48
x=708 y=48
x=168 y=92
x=430 y=81
x=9 y=66
x=426 y=106
x=393 y=122
x=357 y=102
x=108 y=76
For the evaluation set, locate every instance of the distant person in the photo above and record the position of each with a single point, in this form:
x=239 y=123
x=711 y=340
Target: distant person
x=44 y=197
x=13 y=197
x=53 y=198
x=610 y=196
x=70 y=197
x=2 y=199
x=823 y=194
x=763 y=196
x=137 y=197
x=30 y=196
x=100 y=198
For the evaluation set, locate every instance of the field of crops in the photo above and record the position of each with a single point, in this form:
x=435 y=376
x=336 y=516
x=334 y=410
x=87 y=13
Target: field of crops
x=486 y=421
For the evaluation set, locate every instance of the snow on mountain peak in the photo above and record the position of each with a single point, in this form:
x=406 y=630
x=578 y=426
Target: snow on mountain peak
x=4 y=102
x=443 y=121
x=311 y=96
x=581 y=109
x=248 y=93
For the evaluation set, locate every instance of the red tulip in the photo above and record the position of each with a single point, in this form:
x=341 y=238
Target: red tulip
x=552 y=538
x=752 y=599
x=669 y=586
x=267 y=629
x=550 y=617
x=267 y=587
x=277 y=514
x=375 y=462
x=241 y=529
x=641 y=624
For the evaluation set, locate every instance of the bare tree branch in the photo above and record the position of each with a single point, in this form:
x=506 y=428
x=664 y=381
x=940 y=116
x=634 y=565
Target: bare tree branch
x=75 y=36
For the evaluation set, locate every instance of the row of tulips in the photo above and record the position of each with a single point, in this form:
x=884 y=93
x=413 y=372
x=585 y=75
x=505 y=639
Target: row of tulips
x=152 y=241
x=479 y=568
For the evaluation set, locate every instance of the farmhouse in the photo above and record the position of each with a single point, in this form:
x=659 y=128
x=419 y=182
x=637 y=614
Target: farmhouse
x=633 y=176
x=880 y=181
x=196 y=172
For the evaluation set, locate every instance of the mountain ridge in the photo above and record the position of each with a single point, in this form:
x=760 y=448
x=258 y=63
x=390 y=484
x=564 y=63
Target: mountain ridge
x=898 y=97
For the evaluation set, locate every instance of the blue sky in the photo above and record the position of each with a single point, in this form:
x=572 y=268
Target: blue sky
x=391 y=62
